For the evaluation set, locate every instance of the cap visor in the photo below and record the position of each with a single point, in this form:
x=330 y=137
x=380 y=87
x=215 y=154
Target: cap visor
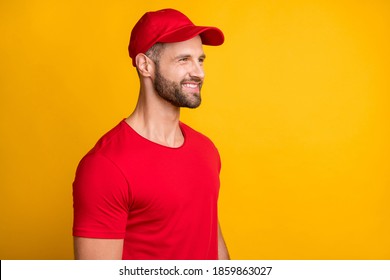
x=211 y=36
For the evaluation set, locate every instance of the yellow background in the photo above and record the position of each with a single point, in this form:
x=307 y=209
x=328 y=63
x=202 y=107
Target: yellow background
x=297 y=101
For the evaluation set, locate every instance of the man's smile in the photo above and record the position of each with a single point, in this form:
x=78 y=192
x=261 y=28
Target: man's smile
x=192 y=86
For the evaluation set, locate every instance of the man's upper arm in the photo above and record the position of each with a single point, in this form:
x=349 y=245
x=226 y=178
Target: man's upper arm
x=97 y=248
x=101 y=199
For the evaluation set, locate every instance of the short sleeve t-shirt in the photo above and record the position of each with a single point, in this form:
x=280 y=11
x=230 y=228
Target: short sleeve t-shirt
x=162 y=201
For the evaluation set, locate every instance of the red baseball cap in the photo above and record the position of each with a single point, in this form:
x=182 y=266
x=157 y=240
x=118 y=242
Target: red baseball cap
x=168 y=26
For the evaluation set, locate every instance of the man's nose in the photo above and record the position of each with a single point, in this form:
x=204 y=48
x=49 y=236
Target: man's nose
x=197 y=70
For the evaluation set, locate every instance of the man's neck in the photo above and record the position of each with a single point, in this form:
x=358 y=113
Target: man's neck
x=157 y=120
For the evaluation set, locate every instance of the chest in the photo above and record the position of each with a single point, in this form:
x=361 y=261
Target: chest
x=172 y=181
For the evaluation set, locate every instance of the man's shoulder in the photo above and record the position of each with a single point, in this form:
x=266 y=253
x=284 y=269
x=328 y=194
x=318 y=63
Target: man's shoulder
x=114 y=143
x=195 y=135
x=111 y=149
x=109 y=138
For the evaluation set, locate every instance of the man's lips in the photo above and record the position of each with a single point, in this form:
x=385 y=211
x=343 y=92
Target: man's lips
x=191 y=85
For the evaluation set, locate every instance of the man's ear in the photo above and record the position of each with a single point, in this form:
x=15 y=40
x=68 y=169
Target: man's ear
x=144 y=65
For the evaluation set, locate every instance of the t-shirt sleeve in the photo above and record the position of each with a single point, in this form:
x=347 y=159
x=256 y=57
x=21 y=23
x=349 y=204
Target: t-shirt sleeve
x=100 y=199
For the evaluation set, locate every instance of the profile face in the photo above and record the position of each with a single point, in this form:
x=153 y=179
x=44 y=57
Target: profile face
x=179 y=73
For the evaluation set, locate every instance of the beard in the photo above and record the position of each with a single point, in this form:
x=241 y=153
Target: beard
x=173 y=93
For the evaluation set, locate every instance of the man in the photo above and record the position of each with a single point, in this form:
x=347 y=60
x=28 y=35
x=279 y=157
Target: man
x=149 y=187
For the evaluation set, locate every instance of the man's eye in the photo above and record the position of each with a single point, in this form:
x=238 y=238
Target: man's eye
x=183 y=59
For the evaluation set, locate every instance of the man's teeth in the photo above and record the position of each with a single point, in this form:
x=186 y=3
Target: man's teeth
x=190 y=85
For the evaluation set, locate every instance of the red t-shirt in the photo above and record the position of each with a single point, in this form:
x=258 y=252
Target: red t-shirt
x=162 y=201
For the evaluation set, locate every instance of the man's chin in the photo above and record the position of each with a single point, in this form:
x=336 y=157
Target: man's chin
x=193 y=104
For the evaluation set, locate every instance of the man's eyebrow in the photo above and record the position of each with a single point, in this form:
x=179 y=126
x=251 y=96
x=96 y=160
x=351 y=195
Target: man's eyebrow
x=202 y=56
